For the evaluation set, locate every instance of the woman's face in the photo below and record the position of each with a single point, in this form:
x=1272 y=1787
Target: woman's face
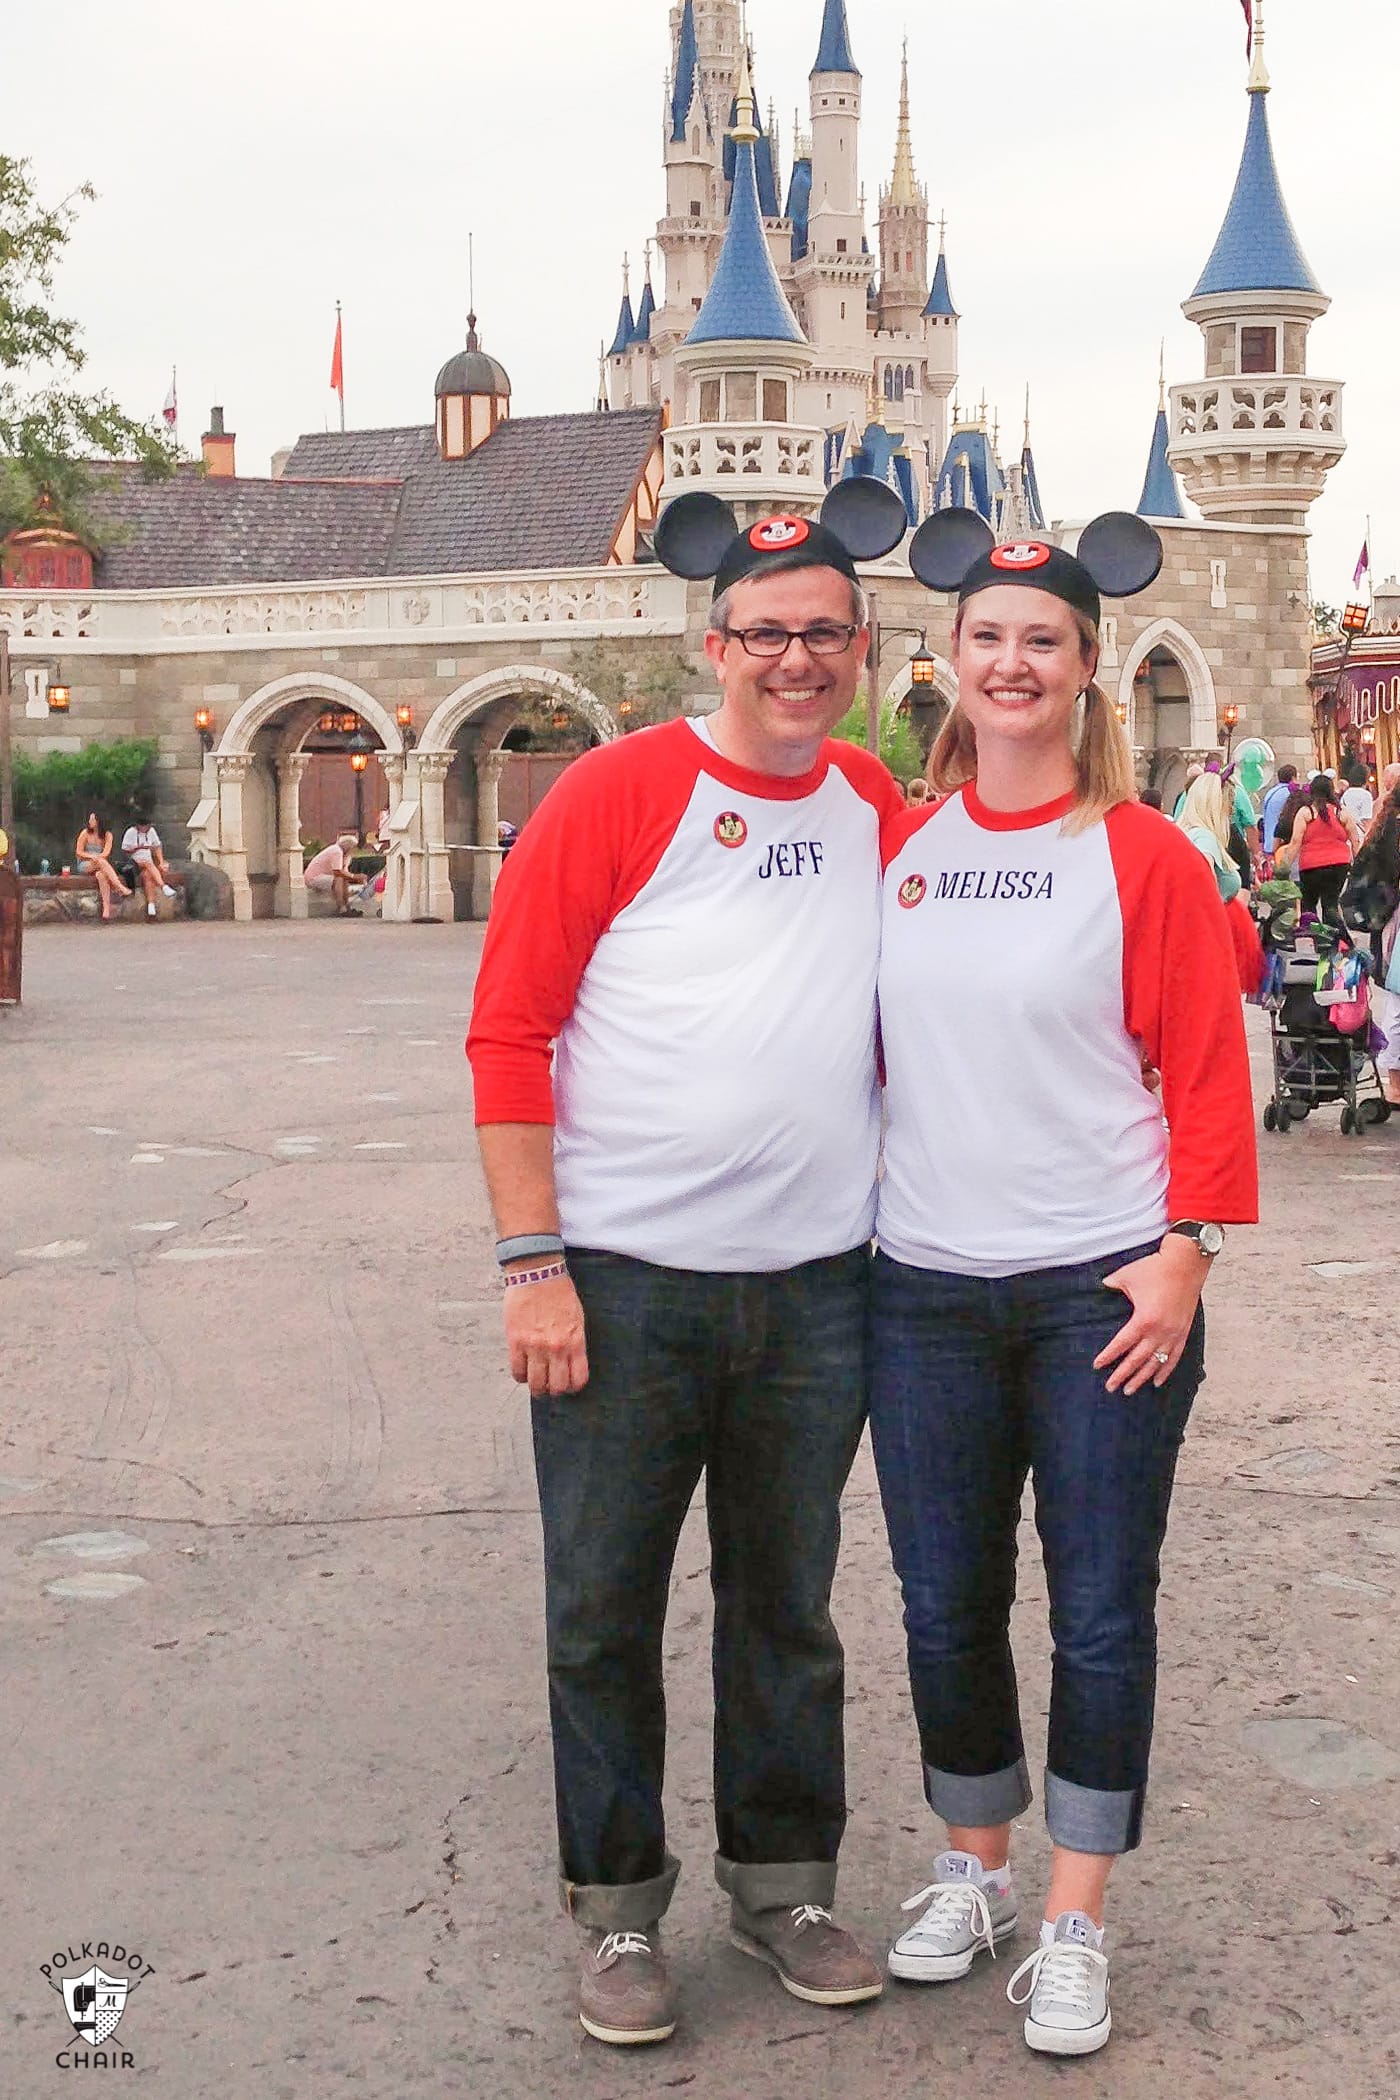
x=92 y=823
x=1021 y=666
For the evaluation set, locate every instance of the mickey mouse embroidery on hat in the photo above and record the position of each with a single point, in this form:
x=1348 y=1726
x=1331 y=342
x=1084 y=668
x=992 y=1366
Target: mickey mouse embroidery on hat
x=699 y=537
x=1118 y=555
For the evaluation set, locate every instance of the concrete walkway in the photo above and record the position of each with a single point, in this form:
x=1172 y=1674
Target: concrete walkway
x=299 y=1763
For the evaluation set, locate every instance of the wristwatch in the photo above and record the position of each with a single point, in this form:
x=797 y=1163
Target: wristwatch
x=1210 y=1239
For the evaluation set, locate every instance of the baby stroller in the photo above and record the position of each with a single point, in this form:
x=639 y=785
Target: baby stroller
x=1316 y=976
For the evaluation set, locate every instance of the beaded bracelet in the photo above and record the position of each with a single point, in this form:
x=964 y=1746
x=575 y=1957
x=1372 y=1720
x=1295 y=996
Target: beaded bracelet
x=558 y=1268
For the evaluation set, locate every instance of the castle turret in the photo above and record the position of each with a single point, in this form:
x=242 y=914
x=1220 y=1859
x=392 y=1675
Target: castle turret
x=473 y=398
x=904 y=282
x=1254 y=443
x=1161 y=497
x=737 y=371
x=833 y=278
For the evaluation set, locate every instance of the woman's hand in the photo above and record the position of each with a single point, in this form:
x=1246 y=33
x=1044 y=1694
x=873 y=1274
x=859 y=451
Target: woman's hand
x=1164 y=1290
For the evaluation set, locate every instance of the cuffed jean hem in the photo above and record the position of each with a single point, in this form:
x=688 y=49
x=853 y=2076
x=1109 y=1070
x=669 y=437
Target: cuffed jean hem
x=632 y=1906
x=779 y=1885
x=1089 y=1819
x=982 y=1803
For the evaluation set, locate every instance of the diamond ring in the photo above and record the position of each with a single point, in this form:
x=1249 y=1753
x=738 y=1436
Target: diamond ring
x=1163 y=1356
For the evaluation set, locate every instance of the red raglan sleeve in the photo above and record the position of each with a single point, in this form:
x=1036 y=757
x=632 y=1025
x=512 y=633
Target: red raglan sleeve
x=1181 y=1001
x=588 y=849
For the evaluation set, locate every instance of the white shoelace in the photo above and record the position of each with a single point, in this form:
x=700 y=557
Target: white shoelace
x=617 y=1944
x=950 y=1903
x=805 y=1914
x=1068 y=1974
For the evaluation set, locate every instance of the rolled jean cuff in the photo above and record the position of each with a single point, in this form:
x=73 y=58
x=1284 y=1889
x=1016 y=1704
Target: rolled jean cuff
x=1089 y=1819
x=777 y=1885
x=982 y=1803
x=630 y=1906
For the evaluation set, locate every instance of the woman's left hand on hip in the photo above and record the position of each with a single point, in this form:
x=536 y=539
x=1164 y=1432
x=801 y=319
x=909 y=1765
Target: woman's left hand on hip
x=1164 y=1290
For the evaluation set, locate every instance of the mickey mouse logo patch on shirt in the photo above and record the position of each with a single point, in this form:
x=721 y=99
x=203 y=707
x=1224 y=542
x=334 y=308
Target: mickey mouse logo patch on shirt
x=777 y=535
x=1021 y=554
x=913 y=892
x=730 y=829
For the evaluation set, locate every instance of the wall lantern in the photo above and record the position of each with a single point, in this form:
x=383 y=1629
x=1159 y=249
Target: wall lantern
x=624 y=707
x=560 y=718
x=1120 y=708
x=204 y=726
x=1229 y=723
x=59 y=699
x=923 y=670
x=359 y=761
x=1355 y=619
x=403 y=715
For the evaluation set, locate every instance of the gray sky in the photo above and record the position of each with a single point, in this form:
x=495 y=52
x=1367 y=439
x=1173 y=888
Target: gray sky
x=256 y=161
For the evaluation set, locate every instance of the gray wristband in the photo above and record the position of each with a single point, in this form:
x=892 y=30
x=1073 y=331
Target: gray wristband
x=528 y=1246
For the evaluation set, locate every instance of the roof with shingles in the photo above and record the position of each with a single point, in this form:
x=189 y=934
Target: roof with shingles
x=544 y=492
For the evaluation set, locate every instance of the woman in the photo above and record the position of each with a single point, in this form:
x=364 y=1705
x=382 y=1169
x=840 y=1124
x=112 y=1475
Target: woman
x=1320 y=849
x=1042 y=1257
x=1380 y=858
x=1205 y=818
x=93 y=855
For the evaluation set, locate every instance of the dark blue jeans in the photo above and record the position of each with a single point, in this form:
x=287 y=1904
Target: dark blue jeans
x=974 y=1383
x=759 y=1382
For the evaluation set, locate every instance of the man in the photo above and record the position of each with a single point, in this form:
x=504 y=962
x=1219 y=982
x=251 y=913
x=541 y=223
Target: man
x=328 y=872
x=692 y=918
x=142 y=847
x=1356 y=798
x=1272 y=806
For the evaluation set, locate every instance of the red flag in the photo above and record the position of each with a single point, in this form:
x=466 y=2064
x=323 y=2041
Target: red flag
x=338 y=362
x=1248 y=6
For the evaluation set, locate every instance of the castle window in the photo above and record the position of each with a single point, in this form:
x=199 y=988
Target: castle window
x=694 y=210
x=909 y=379
x=889 y=383
x=909 y=262
x=775 y=401
x=709 y=401
x=841 y=247
x=898 y=384
x=741 y=397
x=1258 y=349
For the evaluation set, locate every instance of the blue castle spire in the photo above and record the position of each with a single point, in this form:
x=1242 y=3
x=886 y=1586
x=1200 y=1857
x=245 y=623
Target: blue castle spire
x=1160 y=498
x=745 y=302
x=626 y=321
x=646 y=309
x=940 y=299
x=834 y=51
x=1258 y=249
x=687 y=60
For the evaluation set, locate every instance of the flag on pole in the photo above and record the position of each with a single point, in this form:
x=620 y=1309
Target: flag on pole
x=1363 y=566
x=171 y=410
x=338 y=359
x=1248 y=6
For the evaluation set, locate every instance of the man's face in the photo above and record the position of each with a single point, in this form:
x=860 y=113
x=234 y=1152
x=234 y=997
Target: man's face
x=777 y=709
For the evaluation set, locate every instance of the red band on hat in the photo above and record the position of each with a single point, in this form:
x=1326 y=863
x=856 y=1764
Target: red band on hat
x=779 y=535
x=1020 y=554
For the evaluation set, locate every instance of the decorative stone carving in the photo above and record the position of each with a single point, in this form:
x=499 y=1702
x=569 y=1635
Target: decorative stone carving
x=47 y=619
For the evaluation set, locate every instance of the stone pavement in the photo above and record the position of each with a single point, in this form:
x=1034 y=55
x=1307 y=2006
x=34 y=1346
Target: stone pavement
x=299 y=1761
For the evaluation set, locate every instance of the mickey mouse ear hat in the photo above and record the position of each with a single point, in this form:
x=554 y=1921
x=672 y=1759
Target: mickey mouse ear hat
x=1119 y=555
x=861 y=520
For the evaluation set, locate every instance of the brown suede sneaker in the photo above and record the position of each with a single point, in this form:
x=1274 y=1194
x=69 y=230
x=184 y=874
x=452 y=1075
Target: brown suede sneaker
x=814 y=1958
x=625 y=1993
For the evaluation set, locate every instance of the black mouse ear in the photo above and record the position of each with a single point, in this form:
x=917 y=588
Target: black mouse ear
x=1122 y=553
x=946 y=545
x=867 y=516
x=693 y=535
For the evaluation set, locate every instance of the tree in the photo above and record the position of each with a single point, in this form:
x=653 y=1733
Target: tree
x=50 y=430
x=639 y=685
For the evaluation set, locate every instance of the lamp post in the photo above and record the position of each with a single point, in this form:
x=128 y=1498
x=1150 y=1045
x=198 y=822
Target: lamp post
x=923 y=669
x=204 y=727
x=1229 y=723
x=359 y=765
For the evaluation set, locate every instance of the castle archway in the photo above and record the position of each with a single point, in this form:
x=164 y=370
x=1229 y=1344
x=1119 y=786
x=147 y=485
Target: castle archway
x=1168 y=690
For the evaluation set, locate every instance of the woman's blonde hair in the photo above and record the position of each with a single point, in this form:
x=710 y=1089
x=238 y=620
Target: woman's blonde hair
x=1103 y=757
x=1205 y=808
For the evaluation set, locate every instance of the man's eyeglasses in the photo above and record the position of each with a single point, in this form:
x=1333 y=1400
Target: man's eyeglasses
x=825 y=639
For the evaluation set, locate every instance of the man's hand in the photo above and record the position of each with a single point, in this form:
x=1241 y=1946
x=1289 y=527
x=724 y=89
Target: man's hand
x=1164 y=1291
x=545 y=1334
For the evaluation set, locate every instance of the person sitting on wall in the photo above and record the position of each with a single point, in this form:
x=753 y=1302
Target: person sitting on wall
x=328 y=873
x=93 y=853
x=142 y=847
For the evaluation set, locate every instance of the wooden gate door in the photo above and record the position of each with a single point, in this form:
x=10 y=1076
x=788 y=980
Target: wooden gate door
x=11 y=936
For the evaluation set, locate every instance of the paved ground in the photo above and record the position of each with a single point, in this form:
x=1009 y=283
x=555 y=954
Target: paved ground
x=300 y=1764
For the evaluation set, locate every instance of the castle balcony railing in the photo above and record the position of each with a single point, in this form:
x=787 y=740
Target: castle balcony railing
x=765 y=463
x=1260 y=411
x=395 y=611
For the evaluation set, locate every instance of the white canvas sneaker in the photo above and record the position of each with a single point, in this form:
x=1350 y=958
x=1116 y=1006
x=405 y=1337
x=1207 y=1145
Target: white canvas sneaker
x=1066 y=1982
x=961 y=1919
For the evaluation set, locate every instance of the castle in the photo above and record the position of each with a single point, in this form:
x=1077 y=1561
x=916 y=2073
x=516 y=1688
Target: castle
x=415 y=592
